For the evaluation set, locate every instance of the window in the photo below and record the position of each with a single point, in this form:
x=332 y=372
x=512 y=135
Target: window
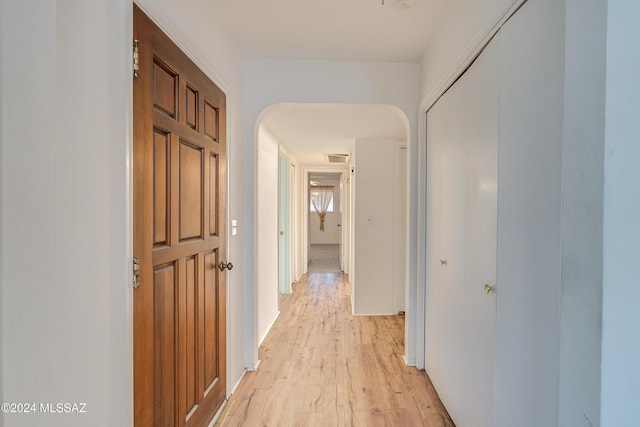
x=320 y=197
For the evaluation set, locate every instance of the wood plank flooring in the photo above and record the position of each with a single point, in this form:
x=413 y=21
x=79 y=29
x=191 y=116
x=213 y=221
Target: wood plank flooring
x=321 y=366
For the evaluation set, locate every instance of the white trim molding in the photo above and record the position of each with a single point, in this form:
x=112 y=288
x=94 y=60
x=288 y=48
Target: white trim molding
x=304 y=211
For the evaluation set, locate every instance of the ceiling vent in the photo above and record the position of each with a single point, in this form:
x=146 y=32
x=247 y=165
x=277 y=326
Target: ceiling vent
x=337 y=158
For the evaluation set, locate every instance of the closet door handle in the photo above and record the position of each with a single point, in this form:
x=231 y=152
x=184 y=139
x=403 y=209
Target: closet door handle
x=443 y=262
x=488 y=288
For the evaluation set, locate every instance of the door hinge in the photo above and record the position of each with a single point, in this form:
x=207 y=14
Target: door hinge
x=136 y=60
x=136 y=272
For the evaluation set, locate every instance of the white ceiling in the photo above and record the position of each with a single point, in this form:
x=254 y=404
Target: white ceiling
x=355 y=30
x=311 y=131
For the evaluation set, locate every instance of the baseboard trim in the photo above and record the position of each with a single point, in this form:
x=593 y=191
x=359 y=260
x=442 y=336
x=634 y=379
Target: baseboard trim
x=235 y=386
x=269 y=328
x=406 y=361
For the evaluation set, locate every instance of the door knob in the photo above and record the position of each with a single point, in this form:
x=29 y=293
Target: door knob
x=227 y=265
x=443 y=262
x=487 y=288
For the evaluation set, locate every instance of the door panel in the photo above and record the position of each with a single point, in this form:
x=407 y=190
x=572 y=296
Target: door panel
x=434 y=310
x=165 y=85
x=161 y=156
x=481 y=134
x=179 y=217
x=164 y=323
x=211 y=120
x=189 y=318
x=191 y=174
x=191 y=107
x=210 y=319
x=462 y=150
x=284 y=224
x=214 y=171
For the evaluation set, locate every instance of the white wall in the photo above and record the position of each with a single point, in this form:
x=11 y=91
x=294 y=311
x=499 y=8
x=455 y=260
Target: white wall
x=267 y=231
x=66 y=233
x=374 y=194
x=621 y=287
x=332 y=233
x=66 y=299
x=400 y=221
x=582 y=192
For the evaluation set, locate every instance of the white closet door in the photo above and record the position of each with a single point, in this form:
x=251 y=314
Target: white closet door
x=438 y=330
x=434 y=311
x=444 y=341
x=462 y=154
x=480 y=132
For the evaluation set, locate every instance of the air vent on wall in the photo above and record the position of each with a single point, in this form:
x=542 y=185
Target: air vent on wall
x=337 y=158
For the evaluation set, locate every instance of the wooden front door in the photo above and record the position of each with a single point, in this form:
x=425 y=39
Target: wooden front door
x=179 y=235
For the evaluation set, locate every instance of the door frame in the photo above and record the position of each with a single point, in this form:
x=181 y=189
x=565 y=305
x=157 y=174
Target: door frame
x=304 y=214
x=285 y=223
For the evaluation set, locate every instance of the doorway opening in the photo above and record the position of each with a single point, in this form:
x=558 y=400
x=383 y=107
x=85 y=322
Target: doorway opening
x=326 y=215
x=302 y=139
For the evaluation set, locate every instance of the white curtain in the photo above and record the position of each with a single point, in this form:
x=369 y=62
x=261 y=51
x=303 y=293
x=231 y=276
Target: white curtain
x=321 y=196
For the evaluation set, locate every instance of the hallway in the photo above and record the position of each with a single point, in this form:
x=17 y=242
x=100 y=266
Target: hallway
x=324 y=258
x=322 y=366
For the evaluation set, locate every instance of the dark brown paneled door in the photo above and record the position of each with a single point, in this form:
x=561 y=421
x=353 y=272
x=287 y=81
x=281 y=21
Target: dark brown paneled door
x=179 y=235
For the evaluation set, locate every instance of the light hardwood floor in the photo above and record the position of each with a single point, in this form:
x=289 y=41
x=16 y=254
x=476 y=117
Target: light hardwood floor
x=321 y=366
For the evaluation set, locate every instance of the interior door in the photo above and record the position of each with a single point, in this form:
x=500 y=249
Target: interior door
x=294 y=250
x=284 y=224
x=481 y=87
x=179 y=236
x=450 y=257
x=462 y=168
